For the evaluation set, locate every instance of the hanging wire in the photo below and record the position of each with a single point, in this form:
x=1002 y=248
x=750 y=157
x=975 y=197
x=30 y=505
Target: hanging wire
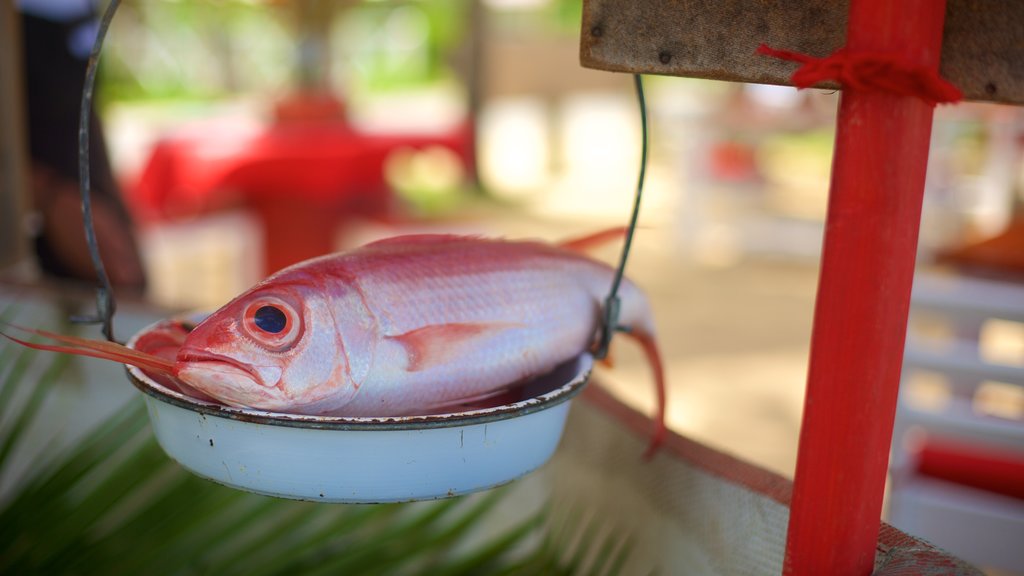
x=105 y=304
x=610 y=323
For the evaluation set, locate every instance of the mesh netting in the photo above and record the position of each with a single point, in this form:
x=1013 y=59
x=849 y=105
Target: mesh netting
x=691 y=509
x=682 y=518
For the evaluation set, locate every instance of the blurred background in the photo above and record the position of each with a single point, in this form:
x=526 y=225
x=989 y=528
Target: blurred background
x=244 y=136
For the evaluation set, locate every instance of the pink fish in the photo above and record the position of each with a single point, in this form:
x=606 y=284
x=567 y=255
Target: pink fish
x=407 y=325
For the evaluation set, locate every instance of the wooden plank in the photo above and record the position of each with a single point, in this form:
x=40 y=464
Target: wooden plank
x=982 y=52
x=13 y=145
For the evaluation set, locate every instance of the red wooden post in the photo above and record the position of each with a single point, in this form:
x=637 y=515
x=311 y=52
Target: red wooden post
x=867 y=267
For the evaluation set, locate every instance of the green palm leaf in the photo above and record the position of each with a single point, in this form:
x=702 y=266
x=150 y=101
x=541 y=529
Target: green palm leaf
x=113 y=503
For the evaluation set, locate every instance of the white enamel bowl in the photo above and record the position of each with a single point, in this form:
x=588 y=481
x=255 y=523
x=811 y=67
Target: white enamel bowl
x=363 y=460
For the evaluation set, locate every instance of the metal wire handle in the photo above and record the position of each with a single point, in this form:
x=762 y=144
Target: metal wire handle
x=610 y=322
x=105 y=304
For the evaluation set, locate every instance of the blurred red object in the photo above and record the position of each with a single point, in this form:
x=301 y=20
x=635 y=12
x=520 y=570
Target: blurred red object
x=733 y=161
x=1000 y=255
x=997 y=471
x=315 y=106
x=303 y=175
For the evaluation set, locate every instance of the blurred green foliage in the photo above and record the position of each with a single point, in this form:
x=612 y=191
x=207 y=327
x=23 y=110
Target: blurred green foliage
x=205 y=49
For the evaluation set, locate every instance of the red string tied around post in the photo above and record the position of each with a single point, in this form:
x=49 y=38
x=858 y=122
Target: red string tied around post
x=889 y=72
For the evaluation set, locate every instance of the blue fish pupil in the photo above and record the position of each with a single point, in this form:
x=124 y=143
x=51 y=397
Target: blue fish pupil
x=270 y=319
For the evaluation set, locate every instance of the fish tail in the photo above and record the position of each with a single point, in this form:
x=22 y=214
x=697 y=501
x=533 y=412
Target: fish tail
x=592 y=241
x=650 y=348
x=93 y=349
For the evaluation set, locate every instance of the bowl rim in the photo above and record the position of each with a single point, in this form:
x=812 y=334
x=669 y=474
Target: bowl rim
x=583 y=365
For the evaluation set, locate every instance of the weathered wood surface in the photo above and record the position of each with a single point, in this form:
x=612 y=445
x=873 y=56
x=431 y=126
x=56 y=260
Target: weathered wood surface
x=13 y=146
x=983 y=41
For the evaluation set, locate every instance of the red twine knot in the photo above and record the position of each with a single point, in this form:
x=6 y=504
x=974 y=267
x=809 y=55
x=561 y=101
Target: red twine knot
x=867 y=71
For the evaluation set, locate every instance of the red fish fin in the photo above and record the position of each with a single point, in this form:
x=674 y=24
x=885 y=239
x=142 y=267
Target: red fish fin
x=408 y=240
x=94 y=349
x=609 y=358
x=650 y=349
x=592 y=241
x=165 y=340
x=433 y=345
x=472 y=402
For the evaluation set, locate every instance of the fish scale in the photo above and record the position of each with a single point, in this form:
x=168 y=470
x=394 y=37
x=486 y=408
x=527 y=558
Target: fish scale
x=542 y=292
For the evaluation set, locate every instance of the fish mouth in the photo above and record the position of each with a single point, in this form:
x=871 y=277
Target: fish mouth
x=191 y=358
x=228 y=381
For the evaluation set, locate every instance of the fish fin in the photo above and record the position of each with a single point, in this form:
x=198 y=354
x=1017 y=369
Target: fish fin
x=94 y=349
x=609 y=358
x=418 y=239
x=592 y=241
x=473 y=402
x=439 y=343
x=650 y=349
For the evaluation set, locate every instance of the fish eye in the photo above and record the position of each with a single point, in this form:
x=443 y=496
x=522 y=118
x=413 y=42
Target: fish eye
x=273 y=323
x=270 y=319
